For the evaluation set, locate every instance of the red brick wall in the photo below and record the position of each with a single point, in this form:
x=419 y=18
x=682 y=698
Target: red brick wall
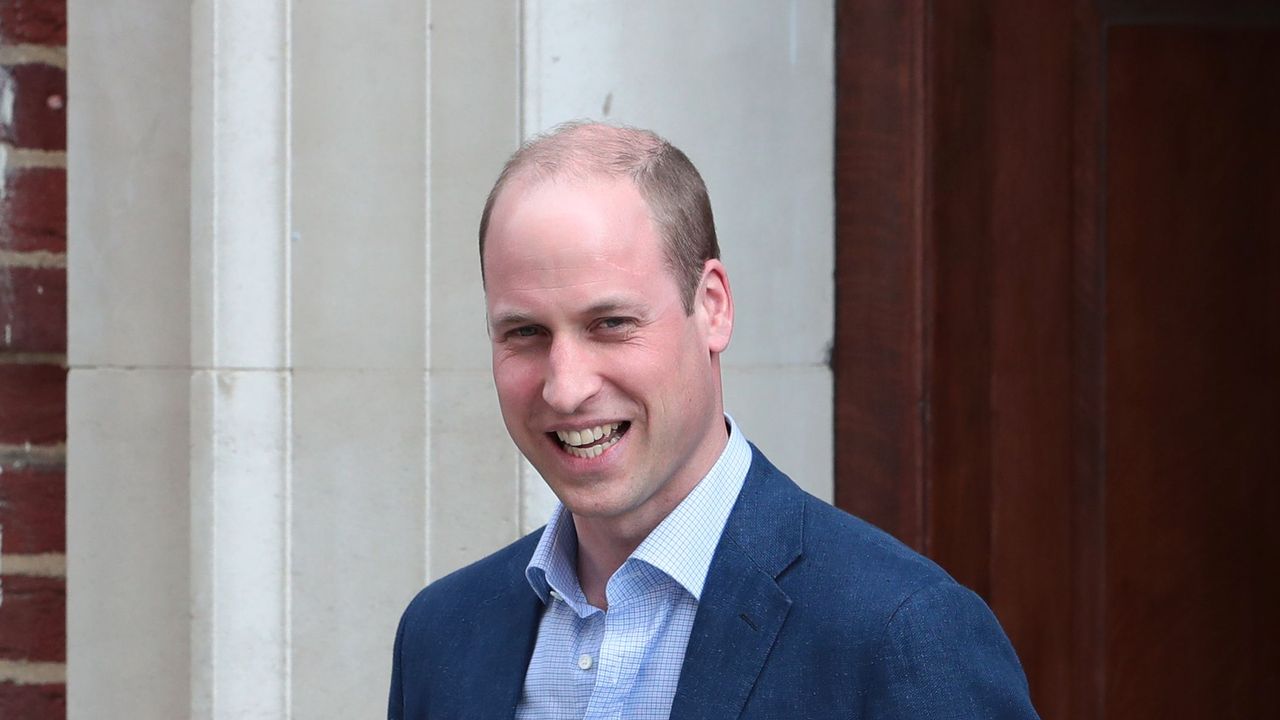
x=33 y=342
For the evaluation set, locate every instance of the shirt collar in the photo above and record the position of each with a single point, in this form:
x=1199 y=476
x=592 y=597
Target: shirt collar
x=681 y=546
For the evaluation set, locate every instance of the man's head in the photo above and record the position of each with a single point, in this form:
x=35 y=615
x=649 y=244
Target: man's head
x=607 y=367
x=669 y=183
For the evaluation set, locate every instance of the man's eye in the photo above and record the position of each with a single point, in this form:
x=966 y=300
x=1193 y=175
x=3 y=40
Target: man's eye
x=525 y=331
x=614 y=323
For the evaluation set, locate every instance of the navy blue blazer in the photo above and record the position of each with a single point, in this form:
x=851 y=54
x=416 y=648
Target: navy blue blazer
x=807 y=613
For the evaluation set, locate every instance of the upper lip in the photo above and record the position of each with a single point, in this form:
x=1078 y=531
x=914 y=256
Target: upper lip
x=582 y=425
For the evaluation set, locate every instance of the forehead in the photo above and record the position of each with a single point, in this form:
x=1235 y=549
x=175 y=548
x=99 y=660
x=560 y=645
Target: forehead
x=571 y=241
x=569 y=223
x=565 y=198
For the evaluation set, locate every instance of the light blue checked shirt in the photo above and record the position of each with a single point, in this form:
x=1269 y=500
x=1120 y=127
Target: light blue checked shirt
x=625 y=663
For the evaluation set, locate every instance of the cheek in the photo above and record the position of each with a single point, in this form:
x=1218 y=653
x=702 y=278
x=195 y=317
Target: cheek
x=516 y=380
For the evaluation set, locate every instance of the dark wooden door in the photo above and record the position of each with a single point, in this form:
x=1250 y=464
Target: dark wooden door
x=1057 y=353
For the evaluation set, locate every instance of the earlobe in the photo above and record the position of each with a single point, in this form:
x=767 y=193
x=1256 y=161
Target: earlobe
x=717 y=305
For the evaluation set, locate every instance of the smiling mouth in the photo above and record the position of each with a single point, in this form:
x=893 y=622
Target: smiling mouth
x=590 y=442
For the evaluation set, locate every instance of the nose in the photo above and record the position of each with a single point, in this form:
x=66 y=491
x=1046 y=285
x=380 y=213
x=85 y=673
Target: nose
x=572 y=376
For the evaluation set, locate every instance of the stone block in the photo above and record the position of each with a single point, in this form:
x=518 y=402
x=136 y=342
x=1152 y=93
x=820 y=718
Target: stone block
x=359 y=532
x=128 y=544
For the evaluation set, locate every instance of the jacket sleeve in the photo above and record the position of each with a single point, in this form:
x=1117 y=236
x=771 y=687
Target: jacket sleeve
x=943 y=655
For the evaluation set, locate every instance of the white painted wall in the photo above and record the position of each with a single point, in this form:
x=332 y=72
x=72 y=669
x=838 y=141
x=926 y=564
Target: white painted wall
x=281 y=418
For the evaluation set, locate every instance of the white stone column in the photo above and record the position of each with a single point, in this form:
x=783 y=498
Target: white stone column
x=282 y=423
x=241 y=386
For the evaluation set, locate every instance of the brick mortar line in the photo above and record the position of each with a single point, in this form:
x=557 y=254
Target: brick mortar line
x=35 y=456
x=24 y=53
x=32 y=259
x=29 y=358
x=45 y=565
x=16 y=158
x=23 y=672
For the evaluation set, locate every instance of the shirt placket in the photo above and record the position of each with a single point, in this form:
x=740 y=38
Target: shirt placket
x=612 y=680
x=615 y=648
x=586 y=654
x=628 y=630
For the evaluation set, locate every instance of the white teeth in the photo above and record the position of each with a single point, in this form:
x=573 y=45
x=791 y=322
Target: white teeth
x=593 y=451
x=586 y=436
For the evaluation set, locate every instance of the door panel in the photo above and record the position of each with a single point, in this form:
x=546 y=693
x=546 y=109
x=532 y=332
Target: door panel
x=1193 y=370
x=1057 y=357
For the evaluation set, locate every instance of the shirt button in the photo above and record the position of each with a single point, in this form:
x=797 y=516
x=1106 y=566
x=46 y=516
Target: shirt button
x=584 y=661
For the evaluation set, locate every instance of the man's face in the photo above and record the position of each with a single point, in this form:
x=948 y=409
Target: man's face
x=606 y=385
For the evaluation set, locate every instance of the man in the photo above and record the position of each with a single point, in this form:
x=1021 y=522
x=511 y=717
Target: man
x=682 y=575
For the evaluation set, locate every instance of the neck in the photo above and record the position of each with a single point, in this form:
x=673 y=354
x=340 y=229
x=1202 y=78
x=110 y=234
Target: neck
x=599 y=557
x=605 y=543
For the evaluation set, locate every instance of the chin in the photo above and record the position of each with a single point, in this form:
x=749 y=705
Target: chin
x=594 y=502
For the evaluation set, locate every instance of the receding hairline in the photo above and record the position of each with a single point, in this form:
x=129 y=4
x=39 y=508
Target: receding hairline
x=519 y=190
x=576 y=152
x=580 y=151
x=520 y=183
x=584 y=149
x=666 y=180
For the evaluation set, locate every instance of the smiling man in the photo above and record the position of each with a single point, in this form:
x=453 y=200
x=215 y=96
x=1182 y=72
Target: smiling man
x=682 y=575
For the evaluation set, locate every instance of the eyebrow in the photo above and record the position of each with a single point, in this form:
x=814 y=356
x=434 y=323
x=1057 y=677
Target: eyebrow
x=609 y=305
x=510 y=318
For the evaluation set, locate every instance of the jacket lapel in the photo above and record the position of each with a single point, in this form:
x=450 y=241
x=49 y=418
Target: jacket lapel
x=742 y=608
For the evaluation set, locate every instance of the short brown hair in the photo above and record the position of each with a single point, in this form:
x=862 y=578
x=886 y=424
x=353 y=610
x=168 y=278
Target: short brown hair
x=667 y=180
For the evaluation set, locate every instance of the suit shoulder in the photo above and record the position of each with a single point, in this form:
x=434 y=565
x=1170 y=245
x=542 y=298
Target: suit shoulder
x=863 y=560
x=457 y=624
x=843 y=560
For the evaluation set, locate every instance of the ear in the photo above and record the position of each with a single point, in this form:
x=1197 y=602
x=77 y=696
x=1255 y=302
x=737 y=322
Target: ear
x=714 y=302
